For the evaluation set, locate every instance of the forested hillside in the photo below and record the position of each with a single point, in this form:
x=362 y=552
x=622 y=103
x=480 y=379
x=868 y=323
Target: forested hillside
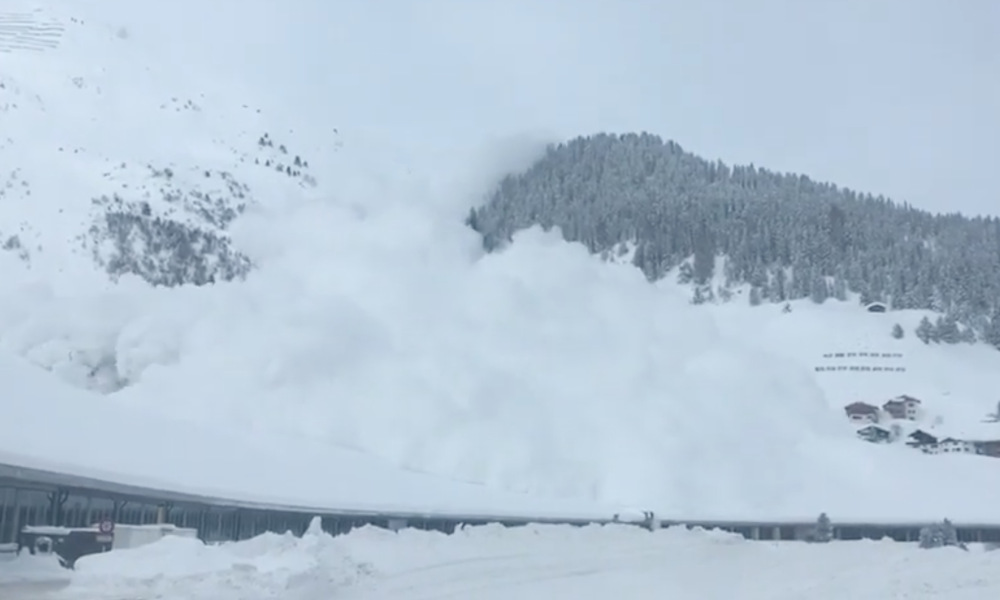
x=783 y=234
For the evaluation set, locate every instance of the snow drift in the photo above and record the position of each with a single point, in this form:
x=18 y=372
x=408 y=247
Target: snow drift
x=533 y=562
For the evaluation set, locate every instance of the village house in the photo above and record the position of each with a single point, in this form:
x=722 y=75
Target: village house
x=874 y=434
x=929 y=448
x=983 y=443
x=988 y=448
x=983 y=440
x=920 y=439
x=950 y=445
x=860 y=412
x=903 y=407
x=876 y=307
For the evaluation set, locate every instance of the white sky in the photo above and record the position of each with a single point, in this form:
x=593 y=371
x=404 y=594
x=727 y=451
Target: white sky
x=900 y=97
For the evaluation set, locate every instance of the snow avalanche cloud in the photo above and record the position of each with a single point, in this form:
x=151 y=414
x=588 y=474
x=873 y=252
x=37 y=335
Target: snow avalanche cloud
x=171 y=243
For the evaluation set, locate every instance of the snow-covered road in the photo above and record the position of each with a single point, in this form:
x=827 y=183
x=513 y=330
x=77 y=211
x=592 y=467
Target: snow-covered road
x=624 y=572
x=634 y=565
x=529 y=563
x=36 y=590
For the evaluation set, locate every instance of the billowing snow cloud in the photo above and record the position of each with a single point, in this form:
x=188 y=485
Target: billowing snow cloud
x=368 y=315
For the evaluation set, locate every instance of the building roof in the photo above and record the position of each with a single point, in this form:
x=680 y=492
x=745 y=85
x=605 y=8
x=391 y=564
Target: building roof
x=872 y=428
x=973 y=432
x=861 y=408
x=899 y=402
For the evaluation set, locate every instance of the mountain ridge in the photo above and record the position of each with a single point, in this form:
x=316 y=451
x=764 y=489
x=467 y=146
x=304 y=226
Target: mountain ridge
x=783 y=234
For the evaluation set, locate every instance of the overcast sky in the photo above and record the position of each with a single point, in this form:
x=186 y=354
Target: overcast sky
x=900 y=97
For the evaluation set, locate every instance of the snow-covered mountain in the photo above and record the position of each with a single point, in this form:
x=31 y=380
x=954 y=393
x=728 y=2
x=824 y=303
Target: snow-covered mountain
x=183 y=240
x=136 y=201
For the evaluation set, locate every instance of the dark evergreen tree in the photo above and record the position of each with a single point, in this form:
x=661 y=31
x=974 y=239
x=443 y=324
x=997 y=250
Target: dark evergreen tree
x=946 y=330
x=840 y=289
x=897 y=331
x=991 y=333
x=925 y=330
x=703 y=262
x=819 y=290
x=824 y=529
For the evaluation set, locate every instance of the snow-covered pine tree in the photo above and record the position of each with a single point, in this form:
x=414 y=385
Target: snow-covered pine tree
x=840 y=289
x=992 y=333
x=824 y=529
x=946 y=330
x=938 y=535
x=931 y=536
x=819 y=291
x=925 y=330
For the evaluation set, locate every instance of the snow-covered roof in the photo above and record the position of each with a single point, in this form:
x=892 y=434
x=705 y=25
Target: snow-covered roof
x=967 y=429
x=872 y=428
x=979 y=432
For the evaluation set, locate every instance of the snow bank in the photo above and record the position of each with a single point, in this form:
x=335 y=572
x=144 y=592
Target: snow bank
x=267 y=566
x=533 y=562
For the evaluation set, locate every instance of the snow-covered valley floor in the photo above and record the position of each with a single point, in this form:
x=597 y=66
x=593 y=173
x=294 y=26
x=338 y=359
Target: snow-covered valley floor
x=542 y=562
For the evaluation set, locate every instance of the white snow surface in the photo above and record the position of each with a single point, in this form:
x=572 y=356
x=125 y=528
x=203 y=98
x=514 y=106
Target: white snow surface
x=531 y=562
x=374 y=335
x=25 y=569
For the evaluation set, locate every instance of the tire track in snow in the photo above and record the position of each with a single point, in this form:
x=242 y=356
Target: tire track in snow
x=474 y=577
x=30 y=591
x=30 y=32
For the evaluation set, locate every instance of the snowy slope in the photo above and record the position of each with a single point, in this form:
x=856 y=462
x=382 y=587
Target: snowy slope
x=958 y=385
x=532 y=562
x=351 y=307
